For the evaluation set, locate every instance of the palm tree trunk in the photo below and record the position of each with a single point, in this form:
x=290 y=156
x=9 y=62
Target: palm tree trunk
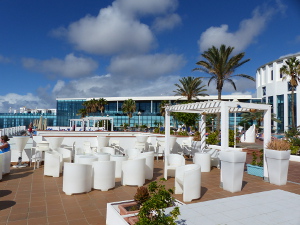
x=293 y=109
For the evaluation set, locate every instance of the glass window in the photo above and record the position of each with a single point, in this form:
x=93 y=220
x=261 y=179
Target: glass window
x=280 y=113
x=271 y=74
x=264 y=90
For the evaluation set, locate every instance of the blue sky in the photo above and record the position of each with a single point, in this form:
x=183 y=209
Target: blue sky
x=100 y=48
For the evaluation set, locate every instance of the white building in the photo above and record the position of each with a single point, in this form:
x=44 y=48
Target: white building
x=273 y=90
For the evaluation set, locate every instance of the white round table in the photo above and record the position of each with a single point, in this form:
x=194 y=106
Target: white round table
x=203 y=159
x=87 y=159
x=102 y=156
x=119 y=159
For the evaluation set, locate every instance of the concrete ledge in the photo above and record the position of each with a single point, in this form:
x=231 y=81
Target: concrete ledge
x=295 y=158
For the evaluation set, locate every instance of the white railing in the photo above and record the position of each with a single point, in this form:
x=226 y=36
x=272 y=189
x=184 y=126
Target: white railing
x=12 y=131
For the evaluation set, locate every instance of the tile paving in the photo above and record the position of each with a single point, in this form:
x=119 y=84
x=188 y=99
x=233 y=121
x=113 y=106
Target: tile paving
x=28 y=197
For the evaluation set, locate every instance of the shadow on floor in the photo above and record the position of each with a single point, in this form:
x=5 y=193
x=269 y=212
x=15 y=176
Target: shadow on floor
x=6 y=204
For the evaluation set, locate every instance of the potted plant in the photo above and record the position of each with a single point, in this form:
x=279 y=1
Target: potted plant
x=277 y=154
x=140 y=197
x=256 y=167
x=152 y=211
x=150 y=203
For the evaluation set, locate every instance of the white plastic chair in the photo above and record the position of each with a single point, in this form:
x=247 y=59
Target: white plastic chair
x=37 y=157
x=104 y=175
x=186 y=145
x=53 y=164
x=173 y=161
x=188 y=182
x=77 y=178
x=66 y=154
x=109 y=150
x=149 y=164
x=116 y=145
x=1 y=162
x=133 y=172
x=160 y=148
x=132 y=153
x=141 y=146
x=6 y=160
x=118 y=159
x=87 y=148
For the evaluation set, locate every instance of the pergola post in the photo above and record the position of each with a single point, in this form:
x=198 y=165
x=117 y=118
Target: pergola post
x=112 y=125
x=167 y=133
x=202 y=131
x=267 y=138
x=224 y=126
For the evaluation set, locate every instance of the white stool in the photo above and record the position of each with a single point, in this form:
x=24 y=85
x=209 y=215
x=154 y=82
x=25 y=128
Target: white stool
x=203 y=160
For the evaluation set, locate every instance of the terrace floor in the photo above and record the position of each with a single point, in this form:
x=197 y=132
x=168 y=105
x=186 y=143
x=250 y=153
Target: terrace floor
x=28 y=197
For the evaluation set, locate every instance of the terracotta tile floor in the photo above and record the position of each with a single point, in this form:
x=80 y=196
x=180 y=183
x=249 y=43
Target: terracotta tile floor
x=28 y=197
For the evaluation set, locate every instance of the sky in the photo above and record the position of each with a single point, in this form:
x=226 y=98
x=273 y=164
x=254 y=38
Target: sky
x=127 y=48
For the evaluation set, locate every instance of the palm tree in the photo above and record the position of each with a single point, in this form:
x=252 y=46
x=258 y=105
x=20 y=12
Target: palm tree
x=257 y=116
x=190 y=87
x=82 y=112
x=162 y=106
x=220 y=66
x=129 y=108
x=101 y=104
x=91 y=105
x=292 y=71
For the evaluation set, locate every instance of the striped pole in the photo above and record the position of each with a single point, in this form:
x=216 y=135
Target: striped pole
x=203 y=132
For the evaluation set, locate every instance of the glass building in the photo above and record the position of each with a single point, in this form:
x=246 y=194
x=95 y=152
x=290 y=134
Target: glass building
x=147 y=109
x=25 y=117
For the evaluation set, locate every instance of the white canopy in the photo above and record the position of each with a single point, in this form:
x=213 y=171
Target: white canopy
x=94 y=119
x=224 y=108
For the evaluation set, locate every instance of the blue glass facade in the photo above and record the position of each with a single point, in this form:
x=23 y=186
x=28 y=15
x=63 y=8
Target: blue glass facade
x=150 y=112
x=24 y=119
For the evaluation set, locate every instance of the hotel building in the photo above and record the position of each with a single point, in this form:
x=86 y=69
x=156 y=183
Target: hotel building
x=277 y=92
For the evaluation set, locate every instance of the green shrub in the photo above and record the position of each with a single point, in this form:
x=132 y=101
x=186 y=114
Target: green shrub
x=183 y=133
x=212 y=138
x=255 y=161
x=294 y=149
x=152 y=211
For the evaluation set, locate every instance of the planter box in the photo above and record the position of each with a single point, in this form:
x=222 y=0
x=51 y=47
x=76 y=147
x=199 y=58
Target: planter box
x=232 y=170
x=113 y=216
x=278 y=165
x=124 y=208
x=255 y=170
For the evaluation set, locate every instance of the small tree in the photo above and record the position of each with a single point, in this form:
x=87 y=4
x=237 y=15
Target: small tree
x=152 y=211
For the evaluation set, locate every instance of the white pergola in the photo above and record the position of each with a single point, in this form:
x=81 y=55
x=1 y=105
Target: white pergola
x=94 y=119
x=223 y=108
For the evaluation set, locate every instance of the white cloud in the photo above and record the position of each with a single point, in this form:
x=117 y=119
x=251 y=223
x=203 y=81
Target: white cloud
x=71 y=66
x=248 y=30
x=15 y=101
x=289 y=55
x=166 y=23
x=146 y=66
x=146 y=7
x=4 y=59
x=117 y=28
x=111 y=86
x=243 y=86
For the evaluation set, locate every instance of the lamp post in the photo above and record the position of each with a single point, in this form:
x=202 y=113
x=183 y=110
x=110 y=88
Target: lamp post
x=107 y=122
x=139 y=114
